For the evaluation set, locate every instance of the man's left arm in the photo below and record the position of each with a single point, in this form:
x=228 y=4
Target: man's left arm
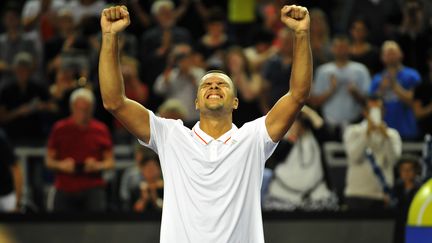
x=280 y=118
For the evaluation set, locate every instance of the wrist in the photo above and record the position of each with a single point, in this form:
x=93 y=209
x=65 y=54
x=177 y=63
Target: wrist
x=301 y=33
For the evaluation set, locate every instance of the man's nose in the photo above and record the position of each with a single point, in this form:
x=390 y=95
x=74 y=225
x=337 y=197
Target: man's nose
x=214 y=86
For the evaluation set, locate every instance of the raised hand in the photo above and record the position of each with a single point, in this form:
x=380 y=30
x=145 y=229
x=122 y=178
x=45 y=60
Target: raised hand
x=114 y=19
x=296 y=18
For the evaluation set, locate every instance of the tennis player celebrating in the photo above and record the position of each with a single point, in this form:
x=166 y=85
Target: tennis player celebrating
x=212 y=173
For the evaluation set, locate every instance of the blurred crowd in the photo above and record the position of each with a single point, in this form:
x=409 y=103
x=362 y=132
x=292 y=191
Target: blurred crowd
x=372 y=91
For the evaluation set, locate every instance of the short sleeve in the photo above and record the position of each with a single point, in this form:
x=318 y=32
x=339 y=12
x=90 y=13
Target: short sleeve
x=364 y=80
x=159 y=129
x=265 y=142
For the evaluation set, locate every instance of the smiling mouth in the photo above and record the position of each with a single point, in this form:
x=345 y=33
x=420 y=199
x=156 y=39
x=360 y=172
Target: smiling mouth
x=214 y=96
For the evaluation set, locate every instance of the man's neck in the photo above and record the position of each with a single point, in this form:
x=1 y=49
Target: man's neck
x=342 y=62
x=215 y=126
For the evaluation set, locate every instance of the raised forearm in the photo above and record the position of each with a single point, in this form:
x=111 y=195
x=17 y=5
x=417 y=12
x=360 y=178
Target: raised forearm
x=404 y=95
x=301 y=74
x=111 y=81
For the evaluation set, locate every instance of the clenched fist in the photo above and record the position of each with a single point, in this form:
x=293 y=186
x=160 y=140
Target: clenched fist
x=114 y=19
x=296 y=18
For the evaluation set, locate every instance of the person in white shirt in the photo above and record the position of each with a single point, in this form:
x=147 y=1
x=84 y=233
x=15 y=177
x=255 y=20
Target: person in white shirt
x=212 y=172
x=363 y=190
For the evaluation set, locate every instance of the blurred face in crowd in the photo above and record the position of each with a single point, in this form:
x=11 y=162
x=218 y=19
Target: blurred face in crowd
x=23 y=73
x=216 y=94
x=65 y=23
x=391 y=54
x=235 y=61
x=407 y=172
x=165 y=17
x=216 y=28
x=286 y=43
x=359 y=31
x=82 y=110
x=151 y=171
x=11 y=20
x=341 y=49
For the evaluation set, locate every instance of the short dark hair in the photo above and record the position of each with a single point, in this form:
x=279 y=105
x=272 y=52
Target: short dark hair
x=412 y=159
x=218 y=71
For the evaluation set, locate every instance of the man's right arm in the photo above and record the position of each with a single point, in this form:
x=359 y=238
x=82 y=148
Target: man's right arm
x=131 y=114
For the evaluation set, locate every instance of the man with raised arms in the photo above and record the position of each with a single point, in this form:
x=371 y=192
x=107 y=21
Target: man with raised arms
x=212 y=172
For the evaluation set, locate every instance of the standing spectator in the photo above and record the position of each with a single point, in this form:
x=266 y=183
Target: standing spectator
x=12 y=42
x=408 y=169
x=248 y=84
x=363 y=189
x=277 y=70
x=413 y=36
x=423 y=101
x=340 y=87
x=261 y=50
x=361 y=50
x=320 y=37
x=180 y=80
x=79 y=150
x=23 y=103
x=11 y=180
x=396 y=84
x=82 y=9
x=242 y=18
x=156 y=43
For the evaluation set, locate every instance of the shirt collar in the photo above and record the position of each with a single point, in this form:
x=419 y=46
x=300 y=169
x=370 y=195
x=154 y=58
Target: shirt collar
x=206 y=139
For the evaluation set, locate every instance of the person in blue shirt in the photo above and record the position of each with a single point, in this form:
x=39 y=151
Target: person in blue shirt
x=396 y=85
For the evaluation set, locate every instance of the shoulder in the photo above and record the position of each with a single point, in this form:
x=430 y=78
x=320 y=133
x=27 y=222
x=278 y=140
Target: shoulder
x=411 y=72
x=357 y=66
x=62 y=124
x=326 y=67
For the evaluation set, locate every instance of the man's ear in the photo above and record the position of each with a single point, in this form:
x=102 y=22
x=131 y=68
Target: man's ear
x=196 y=104
x=235 y=103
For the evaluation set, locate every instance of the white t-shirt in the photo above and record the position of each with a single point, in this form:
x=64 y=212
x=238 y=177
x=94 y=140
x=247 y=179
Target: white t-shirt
x=212 y=187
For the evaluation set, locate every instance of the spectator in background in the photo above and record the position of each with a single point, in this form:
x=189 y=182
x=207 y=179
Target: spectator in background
x=180 y=80
x=261 y=50
x=215 y=40
x=249 y=87
x=12 y=42
x=156 y=43
x=423 y=101
x=320 y=37
x=361 y=50
x=340 y=88
x=241 y=19
x=172 y=109
x=79 y=150
x=23 y=103
x=277 y=70
x=396 y=84
x=363 y=189
x=408 y=170
x=81 y=9
x=11 y=179
x=67 y=45
x=299 y=180
x=141 y=184
x=413 y=36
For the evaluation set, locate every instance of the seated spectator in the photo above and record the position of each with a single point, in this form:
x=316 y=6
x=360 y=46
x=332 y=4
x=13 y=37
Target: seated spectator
x=361 y=50
x=180 y=80
x=396 y=84
x=364 y=190
x=23 y=103
x=249 y=86
x=299 y=180
x=141 y=186
x=12 y=42
x=423 y=101
x=11 y=179
x=79 y=150
x=339 y=89
x=408 y=170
